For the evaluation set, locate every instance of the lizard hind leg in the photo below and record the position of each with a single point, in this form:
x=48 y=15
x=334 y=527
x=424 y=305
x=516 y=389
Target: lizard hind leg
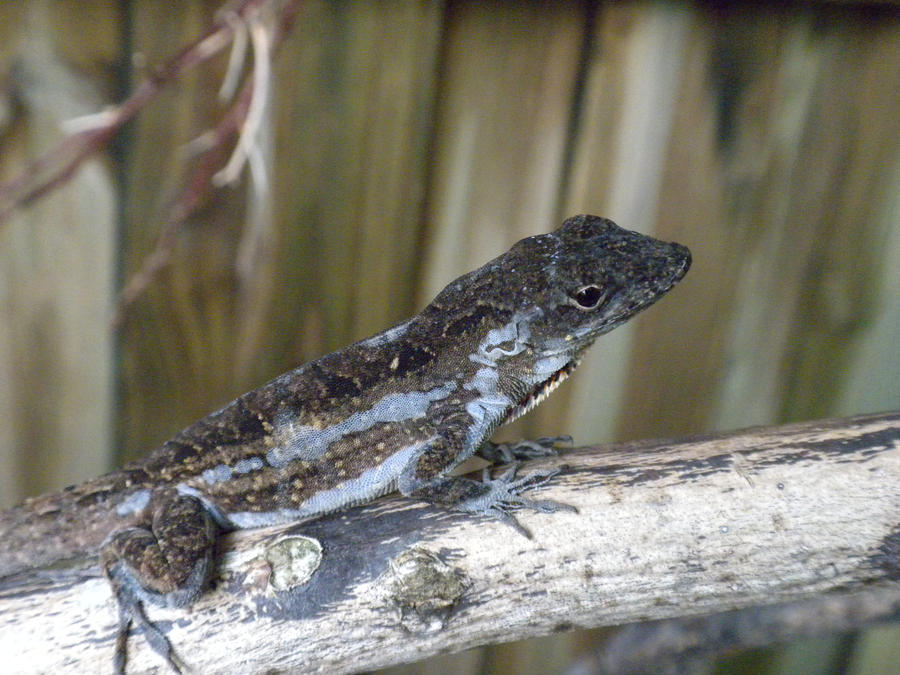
x=168 y=563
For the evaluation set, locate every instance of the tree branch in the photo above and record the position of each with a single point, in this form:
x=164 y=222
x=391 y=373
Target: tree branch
x=665 y=529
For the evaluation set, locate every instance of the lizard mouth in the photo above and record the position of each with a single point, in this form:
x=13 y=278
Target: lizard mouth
x=542 y=391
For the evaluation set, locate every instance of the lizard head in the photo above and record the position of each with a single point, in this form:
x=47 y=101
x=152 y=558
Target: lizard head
x=531 y=312
x=586 y=278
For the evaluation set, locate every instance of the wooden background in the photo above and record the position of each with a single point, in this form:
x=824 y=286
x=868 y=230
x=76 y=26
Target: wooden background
x=408 y=142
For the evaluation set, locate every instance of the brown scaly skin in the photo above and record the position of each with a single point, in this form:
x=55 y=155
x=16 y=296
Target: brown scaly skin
x=396 y=411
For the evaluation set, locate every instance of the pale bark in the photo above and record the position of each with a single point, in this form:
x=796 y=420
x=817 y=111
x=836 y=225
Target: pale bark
x=664 y=529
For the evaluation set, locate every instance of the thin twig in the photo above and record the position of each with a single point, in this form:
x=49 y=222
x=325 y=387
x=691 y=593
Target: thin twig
x=259 y=36
x=240 y=118
x=59 y=164
x=235 y=59
x=188 y=200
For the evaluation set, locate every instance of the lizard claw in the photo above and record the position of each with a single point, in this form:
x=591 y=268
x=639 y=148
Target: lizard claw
x=504 y=494
x=134 y=611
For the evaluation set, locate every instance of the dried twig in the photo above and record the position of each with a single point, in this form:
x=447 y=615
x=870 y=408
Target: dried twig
x=90 y=133
x=261 y=40
x=214 y=142
x=59 y=163
x=244 y=117
x=266 y=22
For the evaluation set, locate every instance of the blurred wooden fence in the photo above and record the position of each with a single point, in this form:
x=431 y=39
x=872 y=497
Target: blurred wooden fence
x=408 y=142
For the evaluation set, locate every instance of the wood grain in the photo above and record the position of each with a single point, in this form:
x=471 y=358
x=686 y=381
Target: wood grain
x=664 y=529
x=57 y=262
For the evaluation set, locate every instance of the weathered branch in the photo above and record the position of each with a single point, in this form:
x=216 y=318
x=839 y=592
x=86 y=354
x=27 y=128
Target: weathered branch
x=664 y=529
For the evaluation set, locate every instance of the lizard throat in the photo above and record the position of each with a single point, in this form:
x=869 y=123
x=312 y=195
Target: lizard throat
x=542 y=391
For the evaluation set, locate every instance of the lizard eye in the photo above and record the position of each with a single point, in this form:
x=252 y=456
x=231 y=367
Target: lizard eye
x=589 y=297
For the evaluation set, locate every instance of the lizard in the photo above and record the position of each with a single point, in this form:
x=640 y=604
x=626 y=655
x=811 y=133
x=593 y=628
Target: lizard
x=397 y=411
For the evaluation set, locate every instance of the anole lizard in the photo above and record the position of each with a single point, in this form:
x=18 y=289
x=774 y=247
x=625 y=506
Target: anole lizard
x=397 y=411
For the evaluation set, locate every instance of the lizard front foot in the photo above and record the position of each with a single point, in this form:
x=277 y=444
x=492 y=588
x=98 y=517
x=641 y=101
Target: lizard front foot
x=502 y=494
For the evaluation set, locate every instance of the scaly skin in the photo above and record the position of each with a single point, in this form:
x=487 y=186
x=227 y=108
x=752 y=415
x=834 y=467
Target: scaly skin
x=397 y=411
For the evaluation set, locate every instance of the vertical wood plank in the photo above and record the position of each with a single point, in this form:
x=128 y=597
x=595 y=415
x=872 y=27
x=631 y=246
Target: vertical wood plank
x=509 y=74
x=12 y=470
x=508 y=83
x=357 y=85
x=852 y=140
x=176 y=342
x=56 y=261
x=676 y=342
x=630 y=92
x=351 y=93
x=872 y=382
